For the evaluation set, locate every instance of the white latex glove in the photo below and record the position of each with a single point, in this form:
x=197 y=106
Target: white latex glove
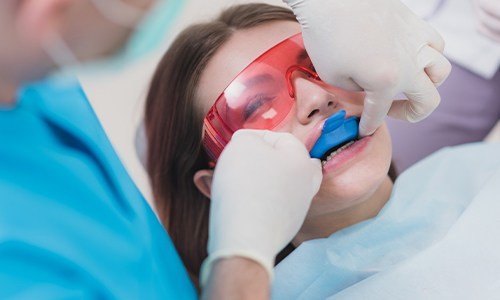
x=379 y=46
x=262 y=189
x=488 y=18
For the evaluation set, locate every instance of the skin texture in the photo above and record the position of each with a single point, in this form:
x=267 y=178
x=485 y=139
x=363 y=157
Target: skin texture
x=353 y=189
x=25 y=25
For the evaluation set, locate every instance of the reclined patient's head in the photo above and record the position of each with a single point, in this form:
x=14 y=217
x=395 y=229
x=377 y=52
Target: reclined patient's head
x=200 y=64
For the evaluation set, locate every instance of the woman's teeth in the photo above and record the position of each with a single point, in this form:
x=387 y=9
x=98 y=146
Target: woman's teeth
x=334 y=153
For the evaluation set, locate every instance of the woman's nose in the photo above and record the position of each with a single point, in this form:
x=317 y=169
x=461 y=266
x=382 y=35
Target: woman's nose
x=313 y=102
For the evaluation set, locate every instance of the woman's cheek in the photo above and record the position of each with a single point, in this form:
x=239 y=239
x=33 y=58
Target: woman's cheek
x=359 y=182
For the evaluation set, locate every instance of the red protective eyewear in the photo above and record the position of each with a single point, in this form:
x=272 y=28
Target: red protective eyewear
x=260 y=97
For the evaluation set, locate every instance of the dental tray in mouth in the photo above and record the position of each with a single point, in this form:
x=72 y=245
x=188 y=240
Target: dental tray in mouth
x=337 y=131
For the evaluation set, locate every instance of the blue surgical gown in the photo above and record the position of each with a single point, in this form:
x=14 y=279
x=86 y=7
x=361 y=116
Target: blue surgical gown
x=436 y=238
x=72 y=222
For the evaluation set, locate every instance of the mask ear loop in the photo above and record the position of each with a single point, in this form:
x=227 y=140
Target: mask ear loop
x=59 y=51
x=119 y=12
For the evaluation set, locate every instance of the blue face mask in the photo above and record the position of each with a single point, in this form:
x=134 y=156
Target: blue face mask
x=155 y=25
x=148 y=35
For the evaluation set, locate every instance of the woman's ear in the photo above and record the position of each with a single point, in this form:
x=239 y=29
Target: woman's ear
x=203 y=181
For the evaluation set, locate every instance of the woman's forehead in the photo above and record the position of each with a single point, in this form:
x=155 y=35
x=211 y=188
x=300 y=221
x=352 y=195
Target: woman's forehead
x=236 y=54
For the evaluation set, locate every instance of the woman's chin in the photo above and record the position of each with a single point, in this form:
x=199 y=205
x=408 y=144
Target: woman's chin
x=350 y=187
x=333 y=198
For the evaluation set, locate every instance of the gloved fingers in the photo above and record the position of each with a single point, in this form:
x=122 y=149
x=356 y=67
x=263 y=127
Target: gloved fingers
x=434 y=39
x=252 y=134
x=436 y=66
x=402 y=110
x=284 y=141
x=423 y=99
x=494 y=35
x=489 y=20
x=295 y=4
x=317 y=175
x=376 y=107
x=275 y=139
x=287 y=142
x=491 y=7
x=341 y=82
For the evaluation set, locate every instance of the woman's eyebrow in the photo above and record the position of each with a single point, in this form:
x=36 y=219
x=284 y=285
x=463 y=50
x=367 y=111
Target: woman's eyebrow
x=258 y=79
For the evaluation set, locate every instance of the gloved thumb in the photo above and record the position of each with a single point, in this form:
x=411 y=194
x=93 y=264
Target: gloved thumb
x=298 y=9
x=376 y=107
x=317 y=174
x=294 y=4
x=269 y=137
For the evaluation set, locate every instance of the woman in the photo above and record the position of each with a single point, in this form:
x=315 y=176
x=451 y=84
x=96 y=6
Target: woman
x=193 y=74
x=181 y=94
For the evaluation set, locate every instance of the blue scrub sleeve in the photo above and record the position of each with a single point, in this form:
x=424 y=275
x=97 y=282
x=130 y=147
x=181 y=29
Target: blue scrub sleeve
x=30 y=270
x=23 y=275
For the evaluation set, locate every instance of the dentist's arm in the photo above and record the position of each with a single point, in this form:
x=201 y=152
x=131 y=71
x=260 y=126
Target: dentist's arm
x=263 y=185
x=237 y=278
x=378 y=46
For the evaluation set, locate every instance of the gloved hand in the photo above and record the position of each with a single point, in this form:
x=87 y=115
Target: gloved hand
x=379 y=46
x=262 y=189
x=488 y=17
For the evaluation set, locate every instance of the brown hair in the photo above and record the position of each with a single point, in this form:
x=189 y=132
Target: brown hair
x=174 y=127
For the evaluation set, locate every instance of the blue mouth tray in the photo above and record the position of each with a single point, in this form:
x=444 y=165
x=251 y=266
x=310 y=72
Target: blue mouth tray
x=337 y=131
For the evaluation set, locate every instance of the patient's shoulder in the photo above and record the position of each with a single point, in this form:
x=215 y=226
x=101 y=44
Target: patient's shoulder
x=470 y=157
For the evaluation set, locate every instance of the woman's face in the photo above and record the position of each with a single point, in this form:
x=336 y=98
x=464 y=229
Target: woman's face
x=352 y=175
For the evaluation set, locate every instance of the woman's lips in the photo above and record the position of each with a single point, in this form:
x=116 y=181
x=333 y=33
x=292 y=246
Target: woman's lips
x=317 y=131
x=314 y=136
x=347 y=155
